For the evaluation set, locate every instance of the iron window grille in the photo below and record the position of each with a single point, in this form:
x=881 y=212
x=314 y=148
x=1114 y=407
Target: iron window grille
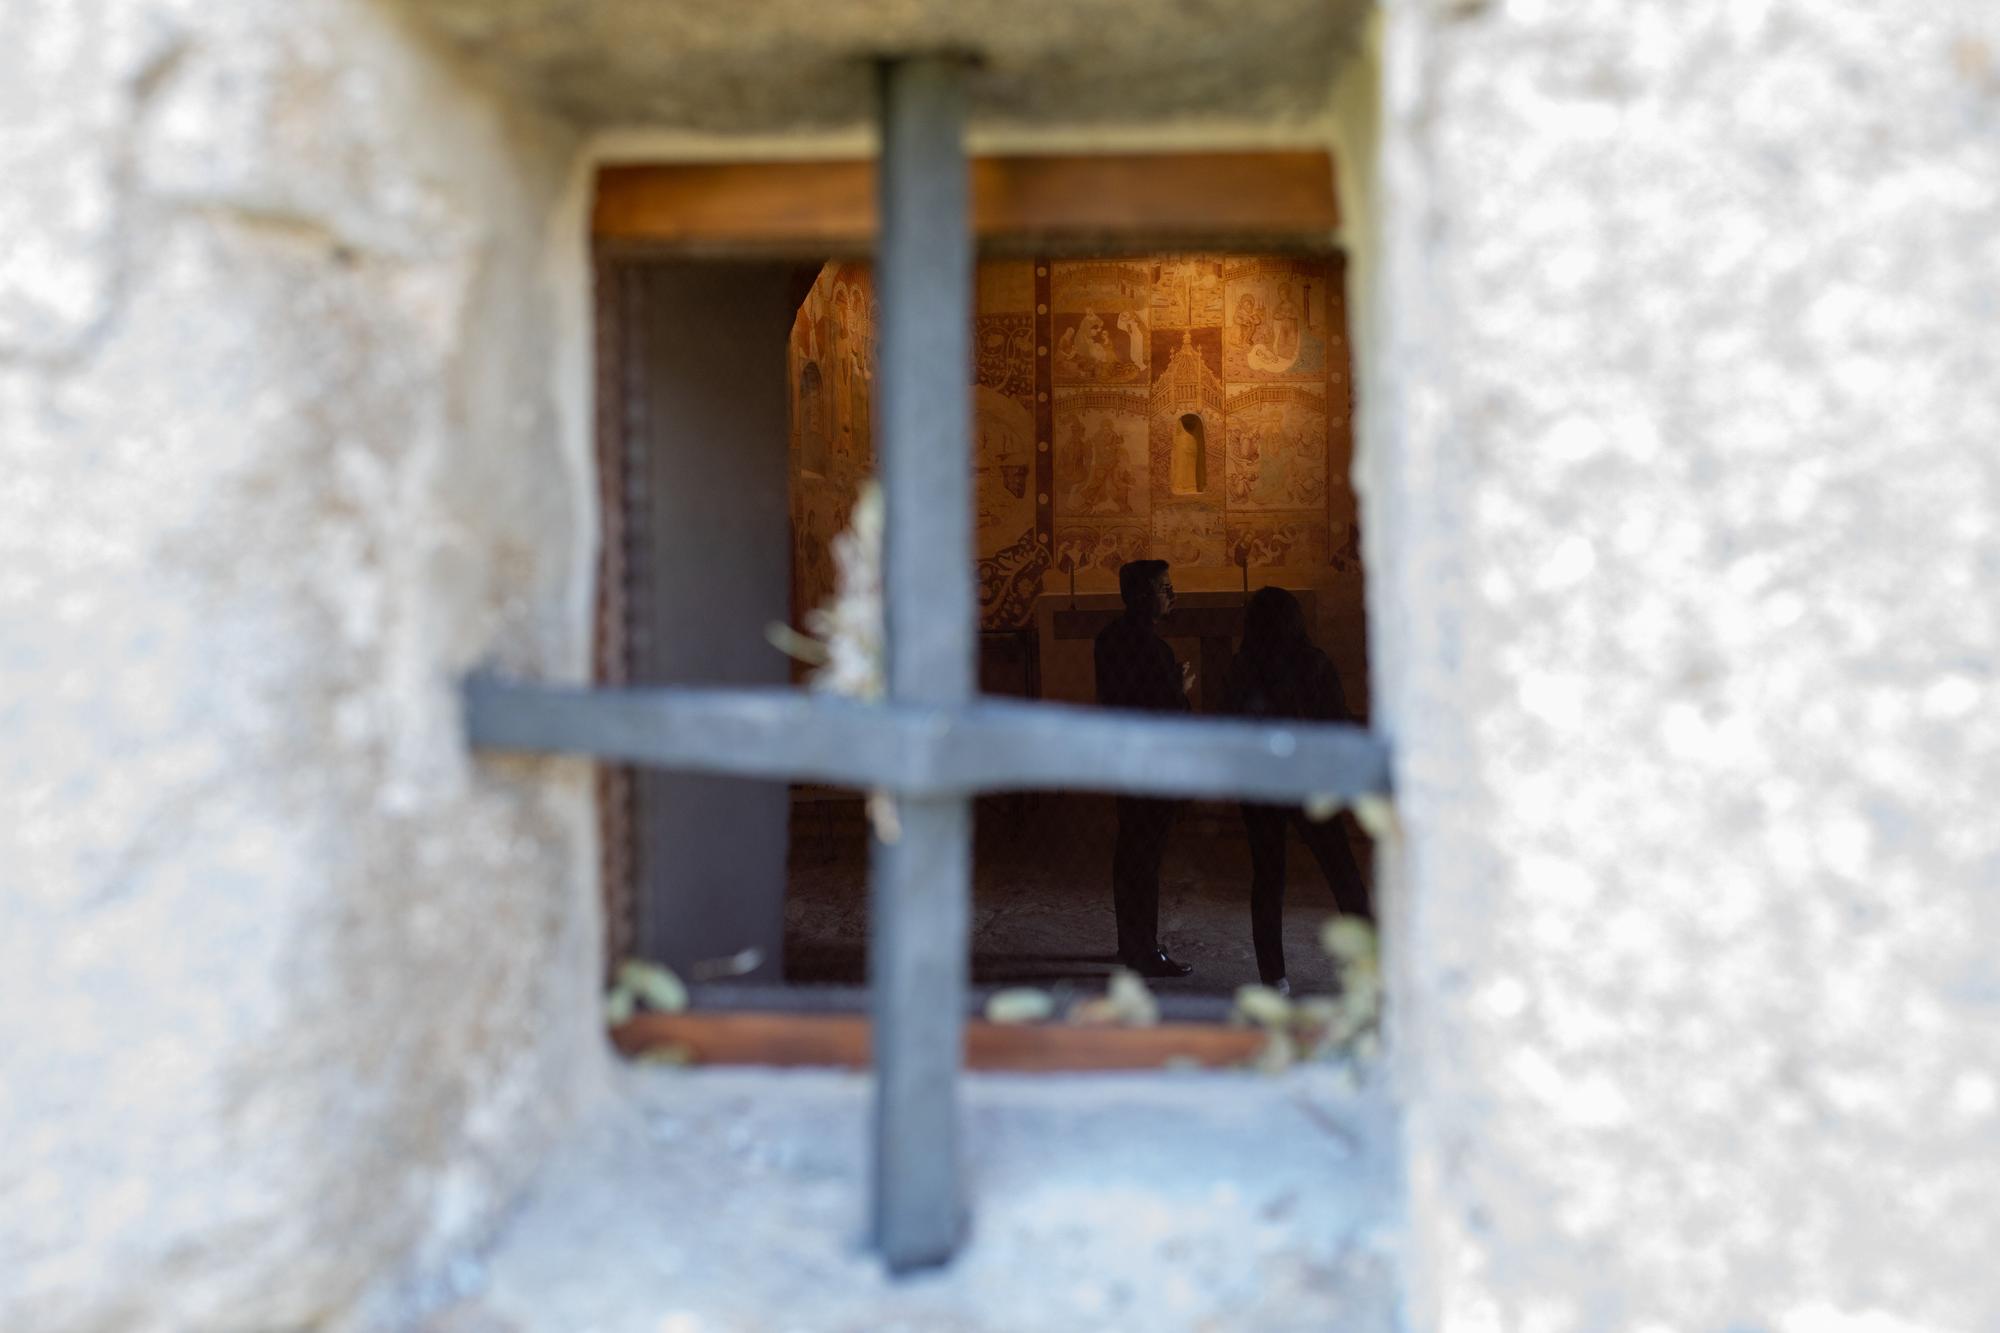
x=932 y=742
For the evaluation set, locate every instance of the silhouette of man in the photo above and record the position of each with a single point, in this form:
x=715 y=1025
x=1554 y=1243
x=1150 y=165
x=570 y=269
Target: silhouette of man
x=1136 y=669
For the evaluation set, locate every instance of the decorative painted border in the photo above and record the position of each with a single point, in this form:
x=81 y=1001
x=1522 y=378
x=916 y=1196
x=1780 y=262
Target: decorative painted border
x=1045 y=431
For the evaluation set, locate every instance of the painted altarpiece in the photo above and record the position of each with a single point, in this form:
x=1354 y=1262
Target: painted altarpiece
x=1190 y=407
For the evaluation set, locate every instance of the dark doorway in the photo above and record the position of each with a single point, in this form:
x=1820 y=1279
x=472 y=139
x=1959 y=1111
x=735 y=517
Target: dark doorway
x=697 y=542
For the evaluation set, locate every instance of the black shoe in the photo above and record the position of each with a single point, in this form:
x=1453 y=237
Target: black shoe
x=1155 y=964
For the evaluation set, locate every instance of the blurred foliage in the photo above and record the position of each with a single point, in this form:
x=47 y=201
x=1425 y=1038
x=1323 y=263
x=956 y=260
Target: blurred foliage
x=1338 y=1027
x=637 y=983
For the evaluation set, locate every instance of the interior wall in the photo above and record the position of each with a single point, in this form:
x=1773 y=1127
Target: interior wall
x=830 y=367
x=1195 y=408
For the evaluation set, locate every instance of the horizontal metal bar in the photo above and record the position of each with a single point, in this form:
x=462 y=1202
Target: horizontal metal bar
x=992 y=745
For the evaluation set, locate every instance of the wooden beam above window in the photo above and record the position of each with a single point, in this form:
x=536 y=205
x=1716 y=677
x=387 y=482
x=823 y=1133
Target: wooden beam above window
x=1124 y=201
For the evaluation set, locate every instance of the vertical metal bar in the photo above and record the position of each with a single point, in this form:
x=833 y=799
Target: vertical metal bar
x=922 y=880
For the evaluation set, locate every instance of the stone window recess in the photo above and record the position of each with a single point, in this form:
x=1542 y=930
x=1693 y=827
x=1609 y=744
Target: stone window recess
x=931 y=742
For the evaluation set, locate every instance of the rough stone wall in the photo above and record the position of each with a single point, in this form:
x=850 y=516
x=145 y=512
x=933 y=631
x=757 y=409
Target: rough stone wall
x=290 y=993
x=1684 y=509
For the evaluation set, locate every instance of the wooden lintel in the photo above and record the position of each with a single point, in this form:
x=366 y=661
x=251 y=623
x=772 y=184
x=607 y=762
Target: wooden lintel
x=841 y=1040
x=1155 y=196
x=817 y=207
x=1278 y=198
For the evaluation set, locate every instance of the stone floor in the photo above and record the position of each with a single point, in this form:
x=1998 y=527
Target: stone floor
x=1042 y=897
x=732 y=1201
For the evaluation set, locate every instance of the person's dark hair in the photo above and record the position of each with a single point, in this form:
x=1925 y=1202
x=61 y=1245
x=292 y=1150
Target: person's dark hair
x=1136 y=579
x=1274 y=626
x=1278 y=672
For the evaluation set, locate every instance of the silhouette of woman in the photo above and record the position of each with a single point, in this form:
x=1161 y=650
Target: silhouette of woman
x=1278 y=673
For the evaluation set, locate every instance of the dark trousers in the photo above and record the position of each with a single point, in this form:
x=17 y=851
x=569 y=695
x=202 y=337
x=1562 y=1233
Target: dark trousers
x=1266 y=825
x=1135 y=871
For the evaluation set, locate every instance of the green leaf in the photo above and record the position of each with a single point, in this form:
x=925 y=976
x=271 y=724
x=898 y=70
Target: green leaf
x=657 y=986
x=1348 y=939
x=1022 y=1004
x=1263 y=1006
x=1376 y=816
x=795 y=645
x=1319 y=809
x=1129 y=999
x=884 y=819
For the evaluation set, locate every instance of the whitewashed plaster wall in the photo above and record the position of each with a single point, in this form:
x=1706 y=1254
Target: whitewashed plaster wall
x=291 y=995
x=1682 y=474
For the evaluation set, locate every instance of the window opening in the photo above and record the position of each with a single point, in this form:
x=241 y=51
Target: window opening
x=931 y=742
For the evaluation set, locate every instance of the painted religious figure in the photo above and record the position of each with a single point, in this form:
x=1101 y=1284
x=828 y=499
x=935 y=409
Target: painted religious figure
x=1003 y=462
x=1100 y=473
x=1012 y=549
x=1277 y=321
x=1187 y=291
x=1098 y=331
x=1277 y=437
x=812 y=422
x=1102 y=463
x=1285 y=329
x=1088 y=352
